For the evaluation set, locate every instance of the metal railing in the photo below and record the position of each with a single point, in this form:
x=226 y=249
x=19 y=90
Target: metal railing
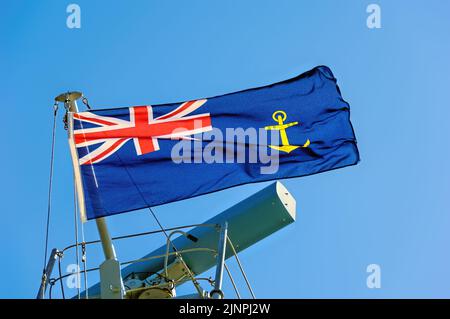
x=59 y=255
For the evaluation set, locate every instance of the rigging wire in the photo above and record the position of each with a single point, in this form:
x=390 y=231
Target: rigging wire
x=51 y=283
x=77 y=252
x=50 y=188
x=232 y=281
x=85 y=102
x=241 y=268
x=83 y=260
x=142 y=234
x=60 y=255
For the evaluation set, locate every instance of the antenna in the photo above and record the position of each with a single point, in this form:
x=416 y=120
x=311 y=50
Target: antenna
x=243 y=225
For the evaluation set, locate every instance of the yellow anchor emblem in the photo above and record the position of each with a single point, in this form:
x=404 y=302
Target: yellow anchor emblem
x=280 y=117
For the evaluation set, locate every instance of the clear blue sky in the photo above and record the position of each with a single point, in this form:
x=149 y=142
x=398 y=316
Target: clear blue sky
x=391 y=209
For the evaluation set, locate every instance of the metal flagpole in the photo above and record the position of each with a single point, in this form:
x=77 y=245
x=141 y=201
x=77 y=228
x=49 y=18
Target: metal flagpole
x=47 y=274
x=112 y=287
x=221 y=252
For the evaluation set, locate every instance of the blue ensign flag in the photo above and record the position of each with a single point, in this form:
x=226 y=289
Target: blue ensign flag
x=142 y=156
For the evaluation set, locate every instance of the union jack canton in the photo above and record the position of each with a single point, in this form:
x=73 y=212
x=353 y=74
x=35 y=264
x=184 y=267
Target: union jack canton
x=142 y=128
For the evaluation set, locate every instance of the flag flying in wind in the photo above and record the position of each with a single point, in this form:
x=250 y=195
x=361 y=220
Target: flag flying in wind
x=142 y=156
